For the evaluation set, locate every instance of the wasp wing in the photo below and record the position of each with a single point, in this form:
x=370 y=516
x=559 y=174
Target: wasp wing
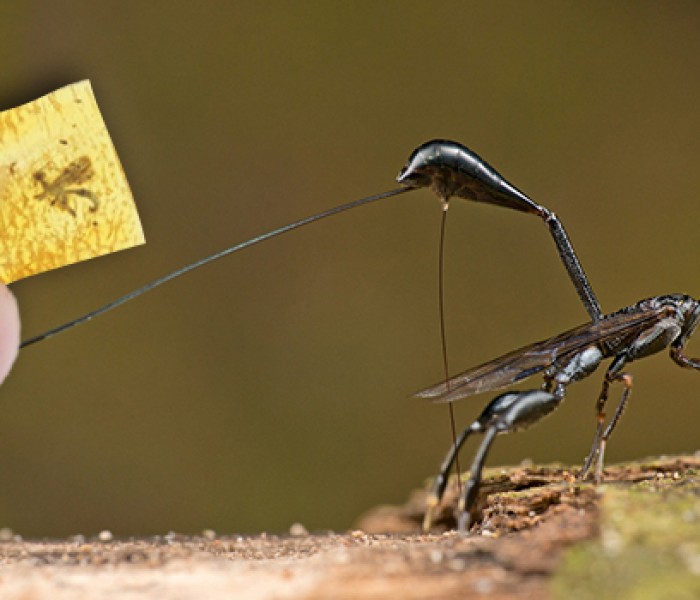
x=534 y=358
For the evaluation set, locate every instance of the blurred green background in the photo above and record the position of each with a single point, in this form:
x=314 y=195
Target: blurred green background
x=271 y=387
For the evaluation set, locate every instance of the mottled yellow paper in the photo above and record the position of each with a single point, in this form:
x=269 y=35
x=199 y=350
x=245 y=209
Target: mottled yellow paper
x=63 y=193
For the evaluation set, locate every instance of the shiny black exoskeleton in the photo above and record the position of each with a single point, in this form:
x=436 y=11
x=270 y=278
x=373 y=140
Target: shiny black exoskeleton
x=450 y=169
x=634 y=332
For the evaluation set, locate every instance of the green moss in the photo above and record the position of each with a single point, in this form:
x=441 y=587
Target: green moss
x=648 y=548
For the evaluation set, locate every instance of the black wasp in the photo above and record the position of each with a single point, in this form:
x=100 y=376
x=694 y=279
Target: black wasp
x=634 y=332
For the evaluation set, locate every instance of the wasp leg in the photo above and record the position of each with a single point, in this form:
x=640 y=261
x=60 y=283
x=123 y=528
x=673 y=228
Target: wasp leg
x=490 y=414
x=505 y=413
x=603 y=433
x=471 y=488
x=493 y=409
x=600 y=416
x=626 y=380
x=438 y=489
x=682 y=360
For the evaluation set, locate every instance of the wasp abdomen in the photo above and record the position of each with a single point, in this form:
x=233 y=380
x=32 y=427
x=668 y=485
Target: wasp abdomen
x=451 y=169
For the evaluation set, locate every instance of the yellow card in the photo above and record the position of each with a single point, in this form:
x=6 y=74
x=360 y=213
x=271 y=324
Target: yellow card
x=63 y=193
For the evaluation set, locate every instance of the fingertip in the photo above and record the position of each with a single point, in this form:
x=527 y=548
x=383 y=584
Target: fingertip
x=9 y=331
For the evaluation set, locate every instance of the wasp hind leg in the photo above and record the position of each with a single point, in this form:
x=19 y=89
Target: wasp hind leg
x=437 y=491
x=505 y=413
